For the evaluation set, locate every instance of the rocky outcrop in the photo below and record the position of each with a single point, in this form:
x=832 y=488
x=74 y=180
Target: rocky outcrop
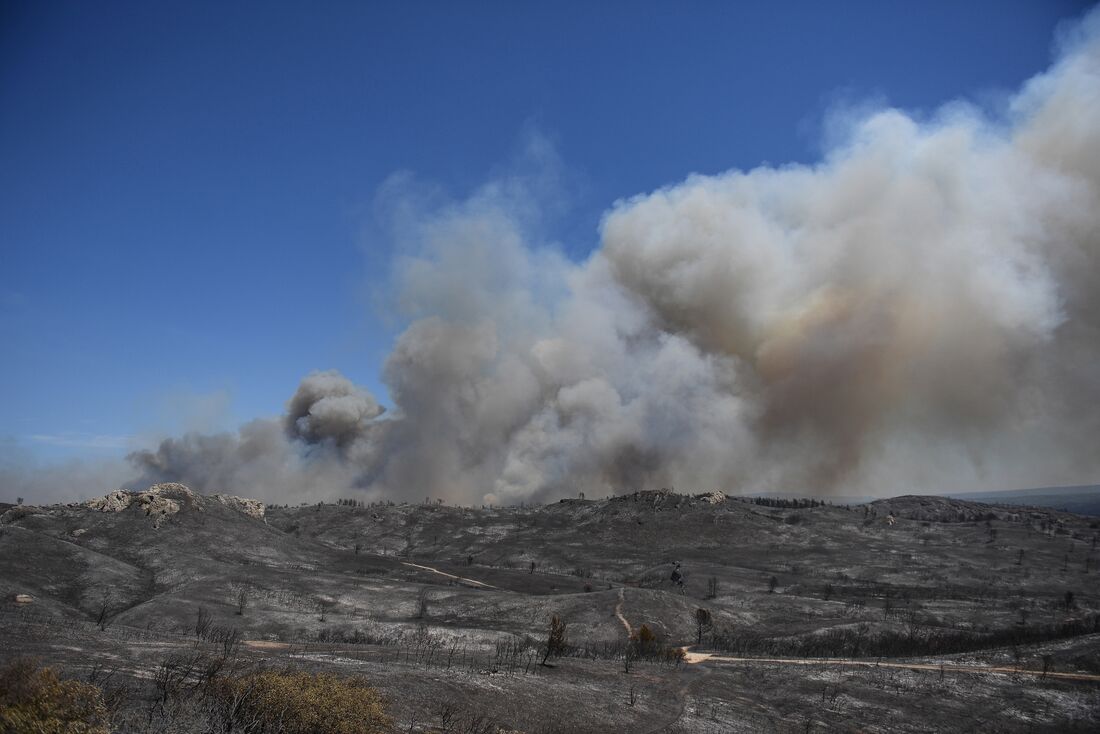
x=174 y=491
x=116 y=501
x=161 y=501
x=252 y=508
x=157 y=505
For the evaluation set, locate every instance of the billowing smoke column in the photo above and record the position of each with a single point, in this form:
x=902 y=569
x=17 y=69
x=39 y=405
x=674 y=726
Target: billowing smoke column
x=328 y=408
x=918 y=312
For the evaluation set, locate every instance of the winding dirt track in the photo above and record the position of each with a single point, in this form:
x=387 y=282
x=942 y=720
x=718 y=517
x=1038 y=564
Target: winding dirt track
x=463 y=579
x=619 y=614
x=696 y=658
x=683 y=693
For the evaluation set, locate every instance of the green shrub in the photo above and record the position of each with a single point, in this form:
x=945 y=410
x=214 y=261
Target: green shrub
x=292 y=702
x=34 y=700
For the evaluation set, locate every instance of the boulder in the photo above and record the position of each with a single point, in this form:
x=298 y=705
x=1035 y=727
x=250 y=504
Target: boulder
x=164 y=500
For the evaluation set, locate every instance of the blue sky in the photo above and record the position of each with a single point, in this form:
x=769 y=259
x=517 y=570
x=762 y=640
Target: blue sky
x=187 y=190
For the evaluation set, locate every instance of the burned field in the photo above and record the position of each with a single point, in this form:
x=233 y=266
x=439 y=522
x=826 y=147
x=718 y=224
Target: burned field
x=907 y=614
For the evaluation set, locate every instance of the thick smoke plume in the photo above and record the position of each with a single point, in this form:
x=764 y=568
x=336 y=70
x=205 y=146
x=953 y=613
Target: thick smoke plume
x=918 y=312
x=328 y=408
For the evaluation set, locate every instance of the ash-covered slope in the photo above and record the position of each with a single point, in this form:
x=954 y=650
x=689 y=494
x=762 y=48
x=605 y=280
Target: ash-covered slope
x=912 y=577
x=944 y=509
x=126 y=548
x=779 y=567
x=635 y=539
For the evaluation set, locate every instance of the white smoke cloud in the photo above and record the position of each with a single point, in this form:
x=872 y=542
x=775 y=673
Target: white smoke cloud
x=920 y=311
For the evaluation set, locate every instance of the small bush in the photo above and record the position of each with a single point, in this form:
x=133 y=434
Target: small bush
x=34 y=699
x=293 y=702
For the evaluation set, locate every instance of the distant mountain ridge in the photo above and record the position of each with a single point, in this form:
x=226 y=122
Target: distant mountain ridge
x=1082 y=499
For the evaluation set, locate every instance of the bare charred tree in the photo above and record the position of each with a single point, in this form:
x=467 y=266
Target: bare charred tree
x=202 y=623
x=703 y=622
x=241 y=595
x=231 y=642
x=555 y=640
x=103 y=609
x=172 y=675
x=448 y=712
x=629 y=654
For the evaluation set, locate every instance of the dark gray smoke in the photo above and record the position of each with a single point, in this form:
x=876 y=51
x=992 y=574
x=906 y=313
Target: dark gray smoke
x=920 y=311
x=328 y=407
x=317 y=449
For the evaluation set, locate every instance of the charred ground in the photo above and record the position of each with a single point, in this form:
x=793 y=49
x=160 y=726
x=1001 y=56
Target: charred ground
x=446 y=609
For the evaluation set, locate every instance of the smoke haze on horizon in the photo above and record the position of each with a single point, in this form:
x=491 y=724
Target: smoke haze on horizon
x=920 y=311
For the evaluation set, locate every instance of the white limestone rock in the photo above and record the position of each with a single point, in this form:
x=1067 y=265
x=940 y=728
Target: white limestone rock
x=252 y=508
x=116 y=501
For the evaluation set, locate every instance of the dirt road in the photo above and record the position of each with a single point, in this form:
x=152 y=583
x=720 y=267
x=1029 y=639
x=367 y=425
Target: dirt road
x=696 y=658
x=481 y=584
x=700 y=665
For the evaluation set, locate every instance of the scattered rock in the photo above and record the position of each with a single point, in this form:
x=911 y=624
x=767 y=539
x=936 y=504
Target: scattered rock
x=78 y=532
